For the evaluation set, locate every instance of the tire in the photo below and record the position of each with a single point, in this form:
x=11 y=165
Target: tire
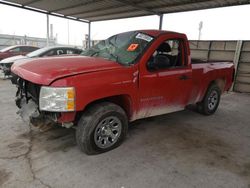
x=211 y=100
x=101 y=128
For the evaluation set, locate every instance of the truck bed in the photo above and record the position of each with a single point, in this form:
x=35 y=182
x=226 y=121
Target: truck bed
x=204 y=72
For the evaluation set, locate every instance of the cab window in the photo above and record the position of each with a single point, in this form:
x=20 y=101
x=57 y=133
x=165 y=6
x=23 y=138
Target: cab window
x=60 y=52
x=51 y=53
x=70 y=51
x=169 y=54
x=17 y=49
x=31 y=49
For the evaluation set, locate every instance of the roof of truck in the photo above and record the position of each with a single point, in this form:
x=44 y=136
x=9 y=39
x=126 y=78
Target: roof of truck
x=156 y=33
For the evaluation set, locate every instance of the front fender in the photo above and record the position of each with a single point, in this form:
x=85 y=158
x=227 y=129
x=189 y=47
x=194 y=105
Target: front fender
x=94 y=86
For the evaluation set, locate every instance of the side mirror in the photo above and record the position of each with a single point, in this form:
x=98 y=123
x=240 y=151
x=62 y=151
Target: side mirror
x=159 y=62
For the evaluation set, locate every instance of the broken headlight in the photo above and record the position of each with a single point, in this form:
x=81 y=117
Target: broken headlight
x=57 y=99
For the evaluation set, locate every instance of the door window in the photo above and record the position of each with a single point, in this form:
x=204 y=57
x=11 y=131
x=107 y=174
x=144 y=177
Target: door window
x=169 y=54
x=31 y=49
x=50 y=53
x=15 y=49
x=55 y=52
x=60 y=52
x=25 y=49
x=69 y=51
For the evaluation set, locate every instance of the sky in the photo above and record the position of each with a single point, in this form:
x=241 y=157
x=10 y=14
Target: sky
x=230 y=23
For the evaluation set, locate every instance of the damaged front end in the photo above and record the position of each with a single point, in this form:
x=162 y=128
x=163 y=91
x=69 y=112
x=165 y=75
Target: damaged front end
x=27 y=100
x=5 y=69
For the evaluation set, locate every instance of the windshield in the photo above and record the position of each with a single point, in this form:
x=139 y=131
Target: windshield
x=123 y=48
x=38 y=52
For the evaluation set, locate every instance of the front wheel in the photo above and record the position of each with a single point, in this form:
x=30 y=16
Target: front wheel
x=211 y=100
x=101 y=128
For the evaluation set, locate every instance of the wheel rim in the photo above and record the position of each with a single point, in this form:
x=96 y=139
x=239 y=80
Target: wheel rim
x=213 y=100
x=107 y=132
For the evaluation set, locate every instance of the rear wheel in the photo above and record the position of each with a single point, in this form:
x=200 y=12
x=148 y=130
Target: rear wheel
x=101 y=128
x=211 y=100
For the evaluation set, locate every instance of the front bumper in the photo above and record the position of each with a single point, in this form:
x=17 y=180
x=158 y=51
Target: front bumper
x=29 y=112
x=27 y=100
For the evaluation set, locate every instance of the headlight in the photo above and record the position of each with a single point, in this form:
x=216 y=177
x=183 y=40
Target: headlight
x=57 y=99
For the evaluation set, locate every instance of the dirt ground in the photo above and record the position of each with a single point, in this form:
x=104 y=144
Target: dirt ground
x=178 y=150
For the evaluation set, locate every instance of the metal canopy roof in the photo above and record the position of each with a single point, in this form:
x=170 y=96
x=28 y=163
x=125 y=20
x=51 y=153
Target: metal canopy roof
x=98 y=10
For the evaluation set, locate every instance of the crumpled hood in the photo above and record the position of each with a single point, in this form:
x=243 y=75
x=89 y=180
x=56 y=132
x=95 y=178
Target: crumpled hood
x=43 y=71
x=12 y=59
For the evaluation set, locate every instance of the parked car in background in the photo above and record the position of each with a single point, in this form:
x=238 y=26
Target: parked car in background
x=6 y=64
x=16 y=50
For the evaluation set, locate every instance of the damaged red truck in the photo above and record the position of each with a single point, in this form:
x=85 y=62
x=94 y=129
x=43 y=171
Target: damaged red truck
x=126 y=77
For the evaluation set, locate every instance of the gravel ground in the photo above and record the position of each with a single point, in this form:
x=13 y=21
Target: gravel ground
x=178 y=150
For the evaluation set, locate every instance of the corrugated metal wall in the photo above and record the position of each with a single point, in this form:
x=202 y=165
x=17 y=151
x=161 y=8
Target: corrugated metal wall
x=213 y=50
x=235 y=51
x=242 y=82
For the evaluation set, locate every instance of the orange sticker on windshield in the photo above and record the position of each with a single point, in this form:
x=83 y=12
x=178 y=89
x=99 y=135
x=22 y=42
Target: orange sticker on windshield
x=132 y=47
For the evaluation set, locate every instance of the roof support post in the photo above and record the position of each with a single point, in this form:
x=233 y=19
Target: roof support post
x=161 y=20
x=236 y=61
x=47 y=42
x=68 y=30
x=89 y=34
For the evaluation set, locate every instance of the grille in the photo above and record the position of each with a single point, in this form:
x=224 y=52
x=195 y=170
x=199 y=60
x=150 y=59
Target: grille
x=26 y=89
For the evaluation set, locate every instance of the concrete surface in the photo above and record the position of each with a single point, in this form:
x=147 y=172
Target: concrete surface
x=183 y=149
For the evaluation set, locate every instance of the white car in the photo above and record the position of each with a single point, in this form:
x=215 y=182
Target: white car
x=6 y=64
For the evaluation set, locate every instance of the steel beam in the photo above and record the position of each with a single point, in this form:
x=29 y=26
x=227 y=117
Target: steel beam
x=161 y=20
x=89 y=33
x=236 y=61
x=47 y=30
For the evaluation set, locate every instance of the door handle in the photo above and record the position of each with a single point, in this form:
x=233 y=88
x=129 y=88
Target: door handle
x=184 y=77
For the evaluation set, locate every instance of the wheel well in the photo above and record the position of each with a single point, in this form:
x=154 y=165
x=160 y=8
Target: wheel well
x=221 y=82
x=124 y=101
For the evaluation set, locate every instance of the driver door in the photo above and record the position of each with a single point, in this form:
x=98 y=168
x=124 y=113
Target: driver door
x=168 y=89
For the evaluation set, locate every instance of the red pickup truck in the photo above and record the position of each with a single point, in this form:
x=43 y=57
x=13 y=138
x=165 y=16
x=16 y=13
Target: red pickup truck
x=126 y=77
